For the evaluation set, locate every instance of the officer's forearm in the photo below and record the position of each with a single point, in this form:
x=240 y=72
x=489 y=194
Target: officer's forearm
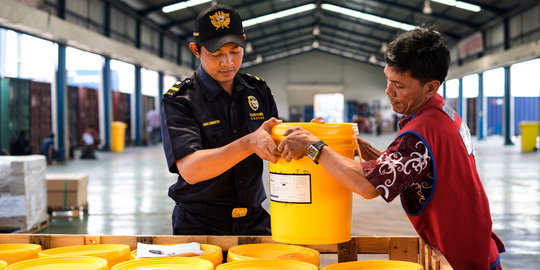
x=206 y=164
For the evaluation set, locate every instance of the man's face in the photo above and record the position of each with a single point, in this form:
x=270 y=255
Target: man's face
x=406 y=94
x=223 y=64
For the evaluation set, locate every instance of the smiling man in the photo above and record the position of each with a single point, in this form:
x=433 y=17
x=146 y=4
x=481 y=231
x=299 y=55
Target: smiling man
x=430 y=163
x=216 y=132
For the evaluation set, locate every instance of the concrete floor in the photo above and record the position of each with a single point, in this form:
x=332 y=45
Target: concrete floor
x=127 y=195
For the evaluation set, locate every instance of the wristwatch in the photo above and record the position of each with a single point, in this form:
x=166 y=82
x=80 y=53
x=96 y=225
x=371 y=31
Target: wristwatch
x=314 y=151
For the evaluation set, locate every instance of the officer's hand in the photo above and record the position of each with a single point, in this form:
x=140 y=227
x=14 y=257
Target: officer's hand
x=262 y=143
x=295 y=144
x=318 y=120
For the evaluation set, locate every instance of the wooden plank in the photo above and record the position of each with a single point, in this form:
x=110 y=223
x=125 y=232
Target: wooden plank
x=404 y=249
x=422 y=251
x=347 y=252
x=372 y=244
x=14 y=238
x=179 y=239
x=145 y=239
x=92 y=240
x=42 y=240
x=64 y=240
x=120 y=239
x=242 y=240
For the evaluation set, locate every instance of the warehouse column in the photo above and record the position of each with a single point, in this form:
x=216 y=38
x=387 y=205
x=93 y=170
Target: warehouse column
x=106 y=103
x=161 y=84
x=507 y=108
x=460 y=97
x=480 y=105
x=138 y=105
x=61 y=136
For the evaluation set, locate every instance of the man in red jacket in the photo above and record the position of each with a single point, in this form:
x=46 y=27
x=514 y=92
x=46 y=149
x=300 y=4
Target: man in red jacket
x=430 y=164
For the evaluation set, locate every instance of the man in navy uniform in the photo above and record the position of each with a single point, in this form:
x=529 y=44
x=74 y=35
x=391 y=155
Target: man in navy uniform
x=216 y=131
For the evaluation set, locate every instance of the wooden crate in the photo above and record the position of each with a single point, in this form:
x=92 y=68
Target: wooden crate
x=404 y=248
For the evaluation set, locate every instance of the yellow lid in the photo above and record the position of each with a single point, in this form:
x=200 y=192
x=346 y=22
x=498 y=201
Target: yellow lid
x=12 y=253
x=267 y=264
x=3 y=265
x=187 y=263
x=113 y=253
x=273 y=251
x=61 y=263
x=328 y=130
x=374 y=265
x=211 y=253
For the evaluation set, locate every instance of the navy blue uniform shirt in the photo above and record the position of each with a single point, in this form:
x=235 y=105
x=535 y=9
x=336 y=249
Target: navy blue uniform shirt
x=197 y=113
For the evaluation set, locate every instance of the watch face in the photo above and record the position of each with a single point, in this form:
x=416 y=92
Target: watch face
x=312 y=152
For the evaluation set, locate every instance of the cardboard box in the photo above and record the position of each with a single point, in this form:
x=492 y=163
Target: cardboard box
x=66 y=189
x=23 y=192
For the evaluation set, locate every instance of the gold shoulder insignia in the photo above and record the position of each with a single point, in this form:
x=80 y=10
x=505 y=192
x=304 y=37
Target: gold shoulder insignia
x=255 y=77
x=175 y=89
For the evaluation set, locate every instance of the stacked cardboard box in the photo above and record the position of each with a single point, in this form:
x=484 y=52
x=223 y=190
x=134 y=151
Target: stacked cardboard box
x=66 y=190
x=23 y=192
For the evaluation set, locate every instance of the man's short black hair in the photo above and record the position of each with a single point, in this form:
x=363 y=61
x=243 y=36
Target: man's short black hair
x=421 y=52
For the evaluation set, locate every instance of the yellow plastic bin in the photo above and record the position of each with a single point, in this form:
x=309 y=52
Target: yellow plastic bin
x=262 y=264
x=374 y=265
x=211 y=253
x=12 y=253
x=529 y=132
x=307 y=205
x=186 y=263
x=118 y=136
x=273 y=251
x=113 y=253
x=3 y=265
x=61 y=263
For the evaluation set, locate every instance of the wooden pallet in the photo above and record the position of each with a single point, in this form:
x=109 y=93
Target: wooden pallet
x=67 y=211
x=404 y=248
x=36 y=229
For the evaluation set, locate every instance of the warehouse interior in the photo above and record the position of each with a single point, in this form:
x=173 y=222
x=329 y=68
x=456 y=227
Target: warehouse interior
x=65 y=65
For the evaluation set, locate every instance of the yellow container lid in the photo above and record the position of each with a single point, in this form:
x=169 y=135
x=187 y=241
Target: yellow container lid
x=12 y=253
x=211 y=253
x=187 y=263
x=267 y=264
x=273 y=251
x=374 y=265
x=113 y=253
x=61 y=263
x=3 y=265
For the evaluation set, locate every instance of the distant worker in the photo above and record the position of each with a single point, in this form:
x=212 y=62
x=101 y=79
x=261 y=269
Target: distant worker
x=21 y=146
x=216 y=132
x=89 y=143
x=47 y=148
x=153 y=126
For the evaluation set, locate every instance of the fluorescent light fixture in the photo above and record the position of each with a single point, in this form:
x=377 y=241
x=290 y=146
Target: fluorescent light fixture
x=183 y=5
x=459 y=4
x=277 y=15
x=367 y=17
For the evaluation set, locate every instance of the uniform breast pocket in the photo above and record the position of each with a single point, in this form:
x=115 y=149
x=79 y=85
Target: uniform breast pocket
x=215 y=136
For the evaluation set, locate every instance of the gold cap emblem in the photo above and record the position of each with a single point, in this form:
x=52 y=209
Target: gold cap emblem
x=253 y=103
x=220 y=19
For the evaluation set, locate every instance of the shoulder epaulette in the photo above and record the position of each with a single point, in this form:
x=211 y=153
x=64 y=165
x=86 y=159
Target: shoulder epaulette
x=175 y=89
x=253 y=78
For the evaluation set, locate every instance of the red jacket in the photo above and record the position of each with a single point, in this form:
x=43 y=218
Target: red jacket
x=456 y=217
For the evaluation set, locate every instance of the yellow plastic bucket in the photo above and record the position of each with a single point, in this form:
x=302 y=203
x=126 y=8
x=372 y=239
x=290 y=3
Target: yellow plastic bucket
x=267 y=264
x=211 y=253
x=374 y=265
x=113 y=253
x=529 y=132
x=12 y=253
x=118 y=136
x=307 y=205
x=61 y=263
x=3 y=265
x=273 y=251
x=187 y=263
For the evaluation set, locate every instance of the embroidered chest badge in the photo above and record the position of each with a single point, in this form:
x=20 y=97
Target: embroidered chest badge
x=253 y=103
x=220 y=19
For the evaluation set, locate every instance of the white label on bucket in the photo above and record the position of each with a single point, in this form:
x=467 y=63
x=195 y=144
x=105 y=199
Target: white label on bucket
x=290 y=188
